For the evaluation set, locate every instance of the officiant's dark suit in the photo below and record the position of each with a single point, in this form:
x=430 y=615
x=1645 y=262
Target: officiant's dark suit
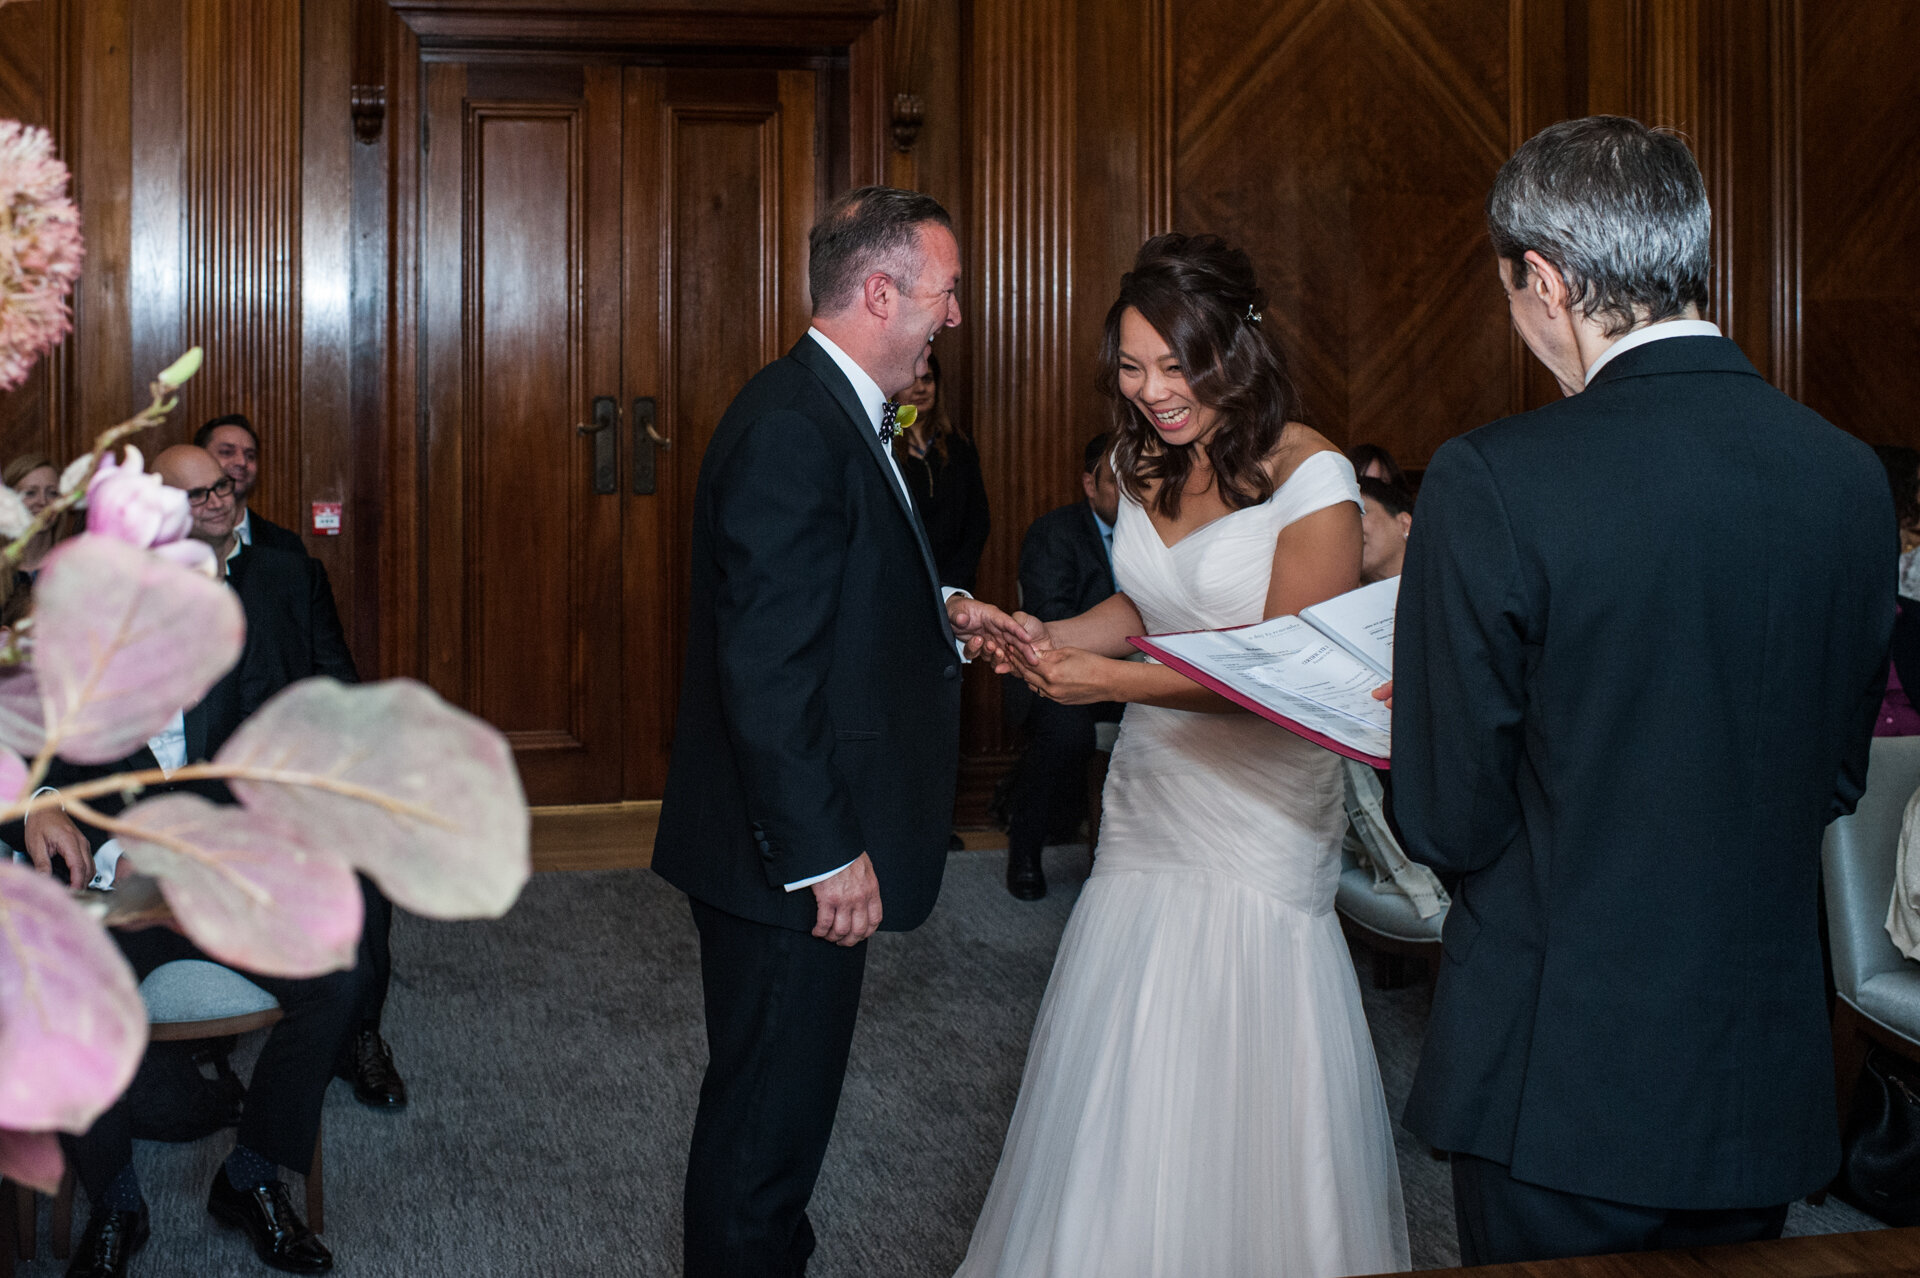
x=818 y=720
x=1641 y=641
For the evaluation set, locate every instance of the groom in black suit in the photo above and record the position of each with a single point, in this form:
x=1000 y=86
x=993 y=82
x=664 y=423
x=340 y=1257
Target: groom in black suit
x=815 y=750
x=1642 y=639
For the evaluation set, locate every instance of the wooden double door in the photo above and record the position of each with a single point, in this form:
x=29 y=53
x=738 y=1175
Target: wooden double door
x=607 y=254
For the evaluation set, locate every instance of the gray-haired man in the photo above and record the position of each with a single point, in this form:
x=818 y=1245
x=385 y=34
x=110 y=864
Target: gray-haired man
x=1642 y=636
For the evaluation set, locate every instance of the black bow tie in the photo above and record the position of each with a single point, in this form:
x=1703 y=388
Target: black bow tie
x=889 y=424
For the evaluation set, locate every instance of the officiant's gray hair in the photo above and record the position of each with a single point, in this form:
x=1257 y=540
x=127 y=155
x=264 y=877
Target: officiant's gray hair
x=872 y=229
x=1618 y=208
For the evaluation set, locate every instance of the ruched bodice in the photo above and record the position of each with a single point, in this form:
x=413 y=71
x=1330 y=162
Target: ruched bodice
x=1201 y=1098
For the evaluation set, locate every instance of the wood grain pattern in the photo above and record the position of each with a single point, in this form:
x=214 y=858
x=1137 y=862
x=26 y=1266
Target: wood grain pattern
x=1347 y=147
x=241 y=291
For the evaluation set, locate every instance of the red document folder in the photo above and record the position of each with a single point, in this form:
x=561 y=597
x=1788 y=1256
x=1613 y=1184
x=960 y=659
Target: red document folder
x=1146 y=644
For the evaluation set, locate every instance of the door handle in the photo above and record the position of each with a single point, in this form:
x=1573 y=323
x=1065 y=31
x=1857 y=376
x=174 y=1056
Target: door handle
x=606 y=443
x=646 y=440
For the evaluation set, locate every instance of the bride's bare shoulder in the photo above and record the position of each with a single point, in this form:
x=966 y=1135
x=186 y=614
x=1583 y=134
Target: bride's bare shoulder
x=1297 y=443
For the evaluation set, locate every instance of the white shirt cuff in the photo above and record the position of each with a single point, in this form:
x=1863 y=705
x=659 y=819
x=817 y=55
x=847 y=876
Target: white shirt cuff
x=959 y=646
x=818 y=878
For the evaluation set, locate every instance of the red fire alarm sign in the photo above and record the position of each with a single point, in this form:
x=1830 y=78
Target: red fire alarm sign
x=326 y=519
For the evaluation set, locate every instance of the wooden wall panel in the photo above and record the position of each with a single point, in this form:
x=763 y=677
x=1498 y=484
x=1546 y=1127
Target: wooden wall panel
x=1347 y=146
x=1860 y=205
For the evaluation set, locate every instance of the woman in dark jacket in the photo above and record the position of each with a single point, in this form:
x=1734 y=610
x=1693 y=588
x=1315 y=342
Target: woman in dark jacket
x=942 y=470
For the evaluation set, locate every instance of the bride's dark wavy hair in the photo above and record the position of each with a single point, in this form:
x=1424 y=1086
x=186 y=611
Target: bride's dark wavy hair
x=1199 y=293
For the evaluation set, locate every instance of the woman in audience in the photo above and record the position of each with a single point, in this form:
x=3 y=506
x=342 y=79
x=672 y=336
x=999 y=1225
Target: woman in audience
x=37 y=480
x=1201 y=1095
x=942 y=470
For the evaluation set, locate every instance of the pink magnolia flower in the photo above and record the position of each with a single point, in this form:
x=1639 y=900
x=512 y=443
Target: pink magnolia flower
x=128 y=504
x=40 y=249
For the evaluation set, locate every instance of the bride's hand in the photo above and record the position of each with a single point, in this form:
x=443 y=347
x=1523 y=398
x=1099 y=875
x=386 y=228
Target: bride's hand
x=1070 y=676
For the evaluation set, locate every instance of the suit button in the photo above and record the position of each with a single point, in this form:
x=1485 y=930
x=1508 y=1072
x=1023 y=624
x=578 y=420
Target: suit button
x=950 y=672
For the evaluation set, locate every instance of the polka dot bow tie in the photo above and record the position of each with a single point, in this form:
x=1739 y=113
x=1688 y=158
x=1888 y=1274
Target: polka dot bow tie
x=896 y=420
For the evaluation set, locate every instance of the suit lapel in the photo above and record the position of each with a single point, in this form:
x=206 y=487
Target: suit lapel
x=821 y=365
x=196 y=722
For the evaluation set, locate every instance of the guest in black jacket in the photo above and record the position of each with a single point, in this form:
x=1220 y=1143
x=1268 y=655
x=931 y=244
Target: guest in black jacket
x=1623 y=754
x=232 y=442
x=293 y=633
x=1066 y=567
x=942 y=470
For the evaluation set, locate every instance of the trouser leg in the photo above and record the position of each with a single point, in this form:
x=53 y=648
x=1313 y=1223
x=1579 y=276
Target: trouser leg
x=1506 y=1221
x=281 y=1120
x=376 y=956
x=780 y=1008
x=1050 y=774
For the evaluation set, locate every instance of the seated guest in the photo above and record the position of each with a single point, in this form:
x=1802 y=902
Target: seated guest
x=1066 y=567
x=1370 y=461
x=233 y=444
x=280 y=1121
x=37 y=480
x=1386 y=518
x=941 y=469
x=293 y=633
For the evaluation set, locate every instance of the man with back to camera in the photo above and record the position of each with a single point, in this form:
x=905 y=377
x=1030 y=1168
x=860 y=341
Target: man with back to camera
x=1066 y=567
x=1621 y=755
x=815 y=749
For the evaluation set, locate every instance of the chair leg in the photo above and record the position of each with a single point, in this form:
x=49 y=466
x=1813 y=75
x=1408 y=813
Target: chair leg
x=316 y=1188
x=61 y=1226
x=1849 y=1057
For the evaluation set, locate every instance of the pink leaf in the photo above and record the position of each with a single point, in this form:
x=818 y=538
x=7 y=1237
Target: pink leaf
x=424 y=798
x=72 y=1025
x=247 y=889
x=13 y=776
x=20 y=711
x=124 y=640
x=33 y=1159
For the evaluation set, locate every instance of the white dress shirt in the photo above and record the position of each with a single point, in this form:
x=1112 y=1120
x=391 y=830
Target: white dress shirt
x=1652 y=333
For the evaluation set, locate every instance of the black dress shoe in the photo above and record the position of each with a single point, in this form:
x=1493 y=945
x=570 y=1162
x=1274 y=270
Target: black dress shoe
x=108 y=1245
x=1024 y=878
x=280 y=1238
x=369 y=1067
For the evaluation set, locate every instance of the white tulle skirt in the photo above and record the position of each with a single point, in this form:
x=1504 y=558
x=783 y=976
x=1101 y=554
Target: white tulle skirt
x=1201 y=1098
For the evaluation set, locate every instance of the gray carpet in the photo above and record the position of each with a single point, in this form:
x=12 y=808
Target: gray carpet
x=555 y=1058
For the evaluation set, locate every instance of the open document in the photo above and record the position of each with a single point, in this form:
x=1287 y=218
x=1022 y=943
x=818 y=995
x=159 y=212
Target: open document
x=1313 y=674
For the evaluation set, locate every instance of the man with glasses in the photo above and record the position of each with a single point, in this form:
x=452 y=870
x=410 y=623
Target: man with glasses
x=293 y=633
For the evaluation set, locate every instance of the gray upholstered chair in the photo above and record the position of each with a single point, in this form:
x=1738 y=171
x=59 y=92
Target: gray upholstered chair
x=1877 y=987
x=1386 y=924
x=189 y=999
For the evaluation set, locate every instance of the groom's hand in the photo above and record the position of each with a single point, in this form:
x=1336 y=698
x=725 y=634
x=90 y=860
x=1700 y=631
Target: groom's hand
x=848 y=904
x=988 y=629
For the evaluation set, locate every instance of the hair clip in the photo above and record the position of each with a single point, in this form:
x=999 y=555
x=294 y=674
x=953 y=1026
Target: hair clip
x=1253 y=316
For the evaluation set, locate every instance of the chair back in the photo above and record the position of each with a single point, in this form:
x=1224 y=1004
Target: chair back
x=1857 y=864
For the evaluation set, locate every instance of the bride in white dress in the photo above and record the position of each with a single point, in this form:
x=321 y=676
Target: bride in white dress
x=1201 y=1098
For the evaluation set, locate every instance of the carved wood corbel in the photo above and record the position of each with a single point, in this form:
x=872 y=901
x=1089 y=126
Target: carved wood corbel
x=909 y=108
x=368 y=95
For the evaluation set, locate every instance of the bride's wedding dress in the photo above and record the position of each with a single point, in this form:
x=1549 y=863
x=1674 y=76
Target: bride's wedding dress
x=1201 y=1098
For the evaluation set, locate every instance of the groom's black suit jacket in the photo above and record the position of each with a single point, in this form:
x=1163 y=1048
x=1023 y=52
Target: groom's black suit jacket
x=1642 y=638
x=819 y=712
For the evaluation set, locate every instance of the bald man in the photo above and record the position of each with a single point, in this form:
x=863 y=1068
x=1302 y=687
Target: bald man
x=209 y=492
x=293 y=633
